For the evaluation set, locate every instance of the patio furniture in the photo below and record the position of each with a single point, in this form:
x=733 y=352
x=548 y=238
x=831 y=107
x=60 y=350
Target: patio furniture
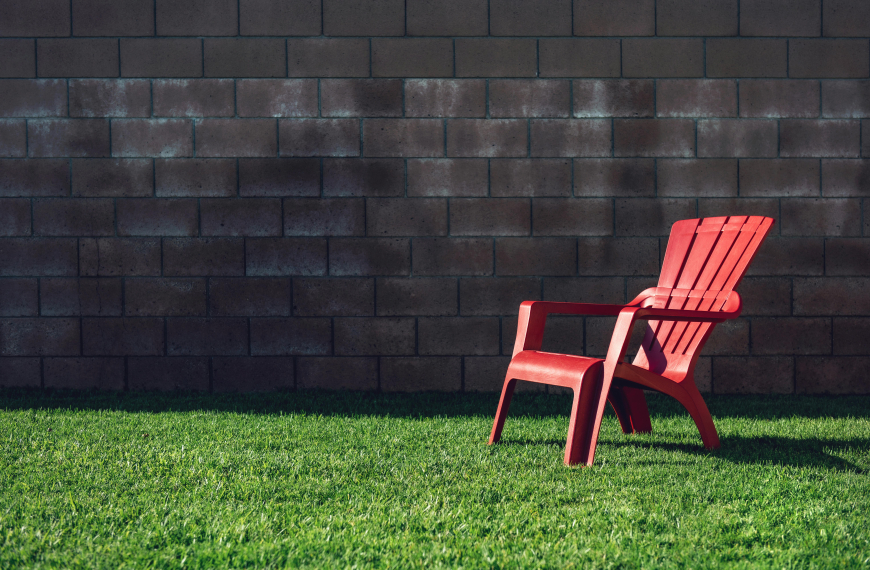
x=705 y=260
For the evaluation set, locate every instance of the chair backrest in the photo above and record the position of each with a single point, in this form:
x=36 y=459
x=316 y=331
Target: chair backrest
x=705 y=260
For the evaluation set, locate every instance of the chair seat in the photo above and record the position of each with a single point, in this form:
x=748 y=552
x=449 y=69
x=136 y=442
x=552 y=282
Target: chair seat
x=552 y=368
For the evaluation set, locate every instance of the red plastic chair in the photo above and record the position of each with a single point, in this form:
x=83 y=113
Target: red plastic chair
x=704 y=262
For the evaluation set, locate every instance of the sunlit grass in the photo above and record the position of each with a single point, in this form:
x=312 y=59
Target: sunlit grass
x=407 y=481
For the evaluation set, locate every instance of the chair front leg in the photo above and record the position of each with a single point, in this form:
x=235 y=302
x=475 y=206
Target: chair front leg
x=507 y=392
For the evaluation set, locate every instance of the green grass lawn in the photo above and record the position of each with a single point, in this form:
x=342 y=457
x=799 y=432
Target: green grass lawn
x=323 y=480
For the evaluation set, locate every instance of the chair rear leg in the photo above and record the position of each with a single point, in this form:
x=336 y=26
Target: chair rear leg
x=637 y=410
x=504 y=404
x=693 y=402
x=616 y=399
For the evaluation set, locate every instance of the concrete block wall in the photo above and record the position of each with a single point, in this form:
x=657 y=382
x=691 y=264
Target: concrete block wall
x=274 y=194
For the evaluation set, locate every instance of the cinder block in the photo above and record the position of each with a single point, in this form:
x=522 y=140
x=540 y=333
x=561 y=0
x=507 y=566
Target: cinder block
x=118 y=336
x=109 y=98
x=579 y=57
x=599 y=331
x=696 y=98
x=279 y=177
x=779 y=177
x=244 y=57
x=38 y=257
x=236 y=137
x=633 y=177
x=682 y=178
x=850 y=335
x=324 y=217
x=570 y=137
x=741 y=57
x=572 y=217
x=112 y=177
x=832 y=375
x=20 y=372
x=530 y=17
x=845 y=177
x=403 y=137
x=486 y=374
x=194 y=336
x=465 y=177
x=319 y=137
x=771 y=99
x=496 y=296
x=20 y=58
x=193 y=98
x=331 y=373
x=447 y=18
x=847 y=18
x=195 y=177
x=780 y=17
x=240 y=217
x=161 y=138
x=119 y=257
x=865 y=136
x=380 y=177
x=73 y=217
x=445 y=98
x=490 y=217
x=654 y=137
x=406 y=217
x=77 y=58
x=157 y=217
x=407 y=57
x=696 y=17
x=602 y=256
x=74 y=297
x=660 y=57
x=836 y=296
x=243 y=374
x=585 y=289
x=276 y=97
x=614 y=18
x=495 y=57
x=35 y=18
x=164 y=297
x=650 y=217
x=829 y=58
x=373 y=336
x=825 y=138
x=39 y=337
x=328 y=57
x=730 y=338
x=427 y=296
x=754 y=375
x=84 y=373
x=15 y=217
x=197 y=17
x=846 y=99
x=820 y=216
x=112 y=18
x=737 y=138
x=285 y=256
x=786 y=256
x=34 y=177
x=68 y=138
x=614 y=98
x=530 y=177
x=766 y=296
x=161 y=57
x=535 y=256
x=19 y=298
x=421 y=374
x=249 y=297
x=352 y=257
x=269 y=18
x=361 y=97
x=359 y=18
x=33 y=98
x=453 y=256
x=487 y=138
x=345 y=297
x=168 y=374
x=788 y=336
x=224 y=257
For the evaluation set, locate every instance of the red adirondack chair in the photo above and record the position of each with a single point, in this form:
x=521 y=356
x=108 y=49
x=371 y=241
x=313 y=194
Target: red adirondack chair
x=704 y=262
